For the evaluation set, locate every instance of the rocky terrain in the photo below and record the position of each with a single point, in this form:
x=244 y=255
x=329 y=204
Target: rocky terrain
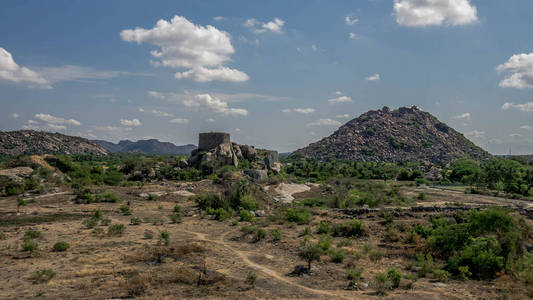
x=38 y=142
x=404 y=134
x=151 y=146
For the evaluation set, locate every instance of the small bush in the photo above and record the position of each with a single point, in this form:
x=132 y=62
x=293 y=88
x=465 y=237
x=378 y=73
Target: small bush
x=176 y=218
x=354 y=274
x=177 y=208
x=260 y=234
x=90 y=223
x=324 y=227
x=97 y=214
x=61 y=246
x=245 y=216
x=344 y=243
x=325 y=242
x=336 y=255
x=395 y=276
x=310 y=252
x=298 y=216
x=306 y=231
x=135 y=221
x=125 y=210
x=43 y=276
x=381 y=283
x=421 y=196
x=105 y=222
x=352 y=228
x=375 y=255
x=252 y=278
x=234 y=222
x=115 y=229
x=148 y=235
x=441 y=275
x=276 y=234
x=220 y=214
x=164 y=237
x=32 y=234
x=29 y=246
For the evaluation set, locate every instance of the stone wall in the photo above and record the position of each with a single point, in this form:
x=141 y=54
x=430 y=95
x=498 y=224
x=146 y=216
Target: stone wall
x=210 y=140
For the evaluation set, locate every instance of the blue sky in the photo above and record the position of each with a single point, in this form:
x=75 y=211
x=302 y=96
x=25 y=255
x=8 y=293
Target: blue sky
x=275 y=74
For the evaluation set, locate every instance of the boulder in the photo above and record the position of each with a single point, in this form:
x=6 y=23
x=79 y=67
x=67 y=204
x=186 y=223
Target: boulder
x=182 y=163
x=237 y=150
x=17 y=174
x=271 y=159
x=248 y=152
x=257 y=175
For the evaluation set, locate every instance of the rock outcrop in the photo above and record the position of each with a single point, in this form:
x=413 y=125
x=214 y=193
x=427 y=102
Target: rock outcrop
x=404 y=134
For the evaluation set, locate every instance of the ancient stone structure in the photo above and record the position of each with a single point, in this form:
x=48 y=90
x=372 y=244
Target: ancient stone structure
x=211 y=140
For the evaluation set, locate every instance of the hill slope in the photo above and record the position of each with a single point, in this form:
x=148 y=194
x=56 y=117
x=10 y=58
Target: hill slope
x=38 y=142
x=405 y=134
x=151 y=146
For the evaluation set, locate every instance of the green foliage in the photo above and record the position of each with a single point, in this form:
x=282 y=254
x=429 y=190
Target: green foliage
x=90 y=223
x=125 y=210
x=314 y=202
x=176 y=218
x=352 y=228
x=177 y=208
x=116 y=229
x=164 y=237
x=393 y=141
x=252 y=278
x=375 y=255
x=260 y=234
x=61 y=246
x=148 y=235
x=135 y=221
x=298 y=216
x=105 y=222
x=43 y=276
x=245 y=216
x=324 y=227
x=354 y=274
x=381 y=283
x=20 y=202
x=276 y=234
x=32 y=234
x=310 y=252
x=325 y=242
x=336 y=255
x=441 y=275
x=395 y=276
x=220 y=214
x=29 y=246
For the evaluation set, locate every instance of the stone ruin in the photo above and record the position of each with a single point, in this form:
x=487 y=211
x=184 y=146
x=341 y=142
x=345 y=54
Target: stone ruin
x=216 y=150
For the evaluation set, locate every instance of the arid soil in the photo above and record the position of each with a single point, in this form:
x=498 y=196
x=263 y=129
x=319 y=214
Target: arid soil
x=209 y=259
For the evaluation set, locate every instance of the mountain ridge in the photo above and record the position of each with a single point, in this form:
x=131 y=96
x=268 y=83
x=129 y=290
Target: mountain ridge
x=149 y=146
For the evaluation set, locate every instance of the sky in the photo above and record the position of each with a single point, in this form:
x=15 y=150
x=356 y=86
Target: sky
x=274 y=74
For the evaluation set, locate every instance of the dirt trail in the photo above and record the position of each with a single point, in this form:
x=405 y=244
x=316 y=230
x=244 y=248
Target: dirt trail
x=244 y=257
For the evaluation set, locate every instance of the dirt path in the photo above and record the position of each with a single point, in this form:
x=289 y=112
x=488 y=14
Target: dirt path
x=47 y=195
x=244 y=257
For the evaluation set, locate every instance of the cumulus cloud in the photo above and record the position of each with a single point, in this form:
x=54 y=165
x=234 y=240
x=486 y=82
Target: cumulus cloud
x=353 y=36
x=520 y=69
x=526 y=127
x=11 y=71
x=179 y=121
x=523 y=107
x=141 y=109
x=338 y=93
x=214 y=104
x=515 y=135
x=344 y=116
x=325 y=122
x=187 y=45
x=46 y=118
x=475 y=134
x=210 y=120
x=15 y=115
x=275 y=25
x=132 y=122
x=160 y=113
x=463 y=116
x=340 y=99
x=350 y=20
x=373 y=77
x=421 y=13
x=304 y=111
x=218 y=18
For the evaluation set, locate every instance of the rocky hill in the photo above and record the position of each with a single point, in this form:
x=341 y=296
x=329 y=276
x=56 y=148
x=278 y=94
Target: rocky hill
x=404 y=134
x=38 y=142
x=151 y=146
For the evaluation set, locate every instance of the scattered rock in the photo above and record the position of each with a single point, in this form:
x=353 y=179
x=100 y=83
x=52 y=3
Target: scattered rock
x=286 y=190
x=260 y=213
x=17 y=174
x=257 y=175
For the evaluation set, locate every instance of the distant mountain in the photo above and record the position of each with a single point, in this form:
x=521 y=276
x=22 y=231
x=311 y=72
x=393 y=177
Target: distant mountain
x=404 y=134
x=38 y=142
x=151 y=146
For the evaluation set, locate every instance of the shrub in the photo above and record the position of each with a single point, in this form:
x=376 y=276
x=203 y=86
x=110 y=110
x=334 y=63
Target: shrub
x=252 y=278
x=176 y=218
x=115 y=229
x=248 y=202
x=276 y=234
x=310 y=252
x=61 y=246
x=135 y=221
x=344 y=243
x=440 y=275
x=164 y=237
x=394 y=275
x=298 y=216
x=381 y=283
x=148 y=235
x=20 y=202
x=375 y=255
x=32 y=234
x=324 y=227
x=352 y=228
x=245 y=216
x=210 y=201
x=43 y=276
x=336 y=255
x=306 y=231
x=481 y=257
x=354 y=274
x=260 y=234
x=220 y=214
x=125 y=210
x=90 y=223
x=105 y=222
x=421 y=196
x=29 y=246
x=177 y=208
x=234 y=222
x=97 y=214
x=325 y=242
x=464 y=272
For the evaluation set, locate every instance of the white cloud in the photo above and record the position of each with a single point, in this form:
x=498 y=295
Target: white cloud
x=218 y=18
x=421 y=13
x=156 y=95
x=210 y=120
x=526 y=127
x=57 y=127
x=338 y=93
x=55 y=120
x=350 y=20
x=275 y=25
x=325 y=122
x=15 y=115
x=141 y=109
x=344 y=116
x=11 y=71
x=314 y=48
x=77 y=73
x=179 y=121
x=463 y=116
x=132 y=122
x=201 y=74
x=515 y=135
x=304 y=111
x=373 y=77
x=475 y=134
x=520 y=67
x=353 y=36
x=340 y=99
x=160 y=113
x=523 y=107
x=212 y=103
x=33 y=122
x=187 y=45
